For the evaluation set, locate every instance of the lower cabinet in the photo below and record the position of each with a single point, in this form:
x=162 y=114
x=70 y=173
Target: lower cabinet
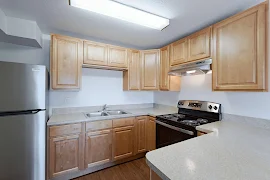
x=141 y=134
x=199 y=133
x=98 y=148
x=123 y=142
x=151 y=134
x=66 y=151
x=76 y=147
x=154 y=176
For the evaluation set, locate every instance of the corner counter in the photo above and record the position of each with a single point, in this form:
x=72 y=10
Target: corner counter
x=230 y=151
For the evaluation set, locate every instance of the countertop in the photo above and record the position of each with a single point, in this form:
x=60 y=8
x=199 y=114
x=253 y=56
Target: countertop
x=231 y=151
x=61 y=119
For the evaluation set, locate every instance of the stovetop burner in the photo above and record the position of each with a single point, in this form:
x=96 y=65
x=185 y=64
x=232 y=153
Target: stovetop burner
x=184 y=119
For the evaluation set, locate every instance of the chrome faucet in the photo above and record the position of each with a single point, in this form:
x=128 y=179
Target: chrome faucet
x=104 y=108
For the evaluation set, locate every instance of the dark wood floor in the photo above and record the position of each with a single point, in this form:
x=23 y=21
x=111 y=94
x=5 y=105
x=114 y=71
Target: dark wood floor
x=133 y=170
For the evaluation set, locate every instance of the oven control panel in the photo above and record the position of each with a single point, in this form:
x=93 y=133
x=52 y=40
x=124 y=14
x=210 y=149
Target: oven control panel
x=200 y=105
x=196 y=105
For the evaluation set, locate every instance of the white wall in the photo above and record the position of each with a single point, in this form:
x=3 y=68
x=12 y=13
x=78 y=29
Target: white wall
x=252 y=104
x=98 y=86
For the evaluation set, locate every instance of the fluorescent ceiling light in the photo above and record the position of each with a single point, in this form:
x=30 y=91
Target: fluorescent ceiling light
x=123 y=12
x=191 y=72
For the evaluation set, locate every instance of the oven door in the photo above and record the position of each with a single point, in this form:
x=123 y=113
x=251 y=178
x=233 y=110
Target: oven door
x=167 y=134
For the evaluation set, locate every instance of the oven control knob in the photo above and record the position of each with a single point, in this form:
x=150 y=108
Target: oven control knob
x=210 y=107
x=215 y=107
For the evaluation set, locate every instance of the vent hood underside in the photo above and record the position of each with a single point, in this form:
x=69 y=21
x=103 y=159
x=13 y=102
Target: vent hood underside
x=193 y=68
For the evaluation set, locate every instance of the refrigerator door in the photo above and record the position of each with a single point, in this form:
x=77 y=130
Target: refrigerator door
x=22 y=147
x=23 y=87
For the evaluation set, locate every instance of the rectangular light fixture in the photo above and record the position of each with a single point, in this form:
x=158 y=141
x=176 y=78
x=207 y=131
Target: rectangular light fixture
x=191 y=72
x=123 y=12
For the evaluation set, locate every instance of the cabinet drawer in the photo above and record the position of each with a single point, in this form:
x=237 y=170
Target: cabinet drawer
x=98 y=125
x=65 y=129
x=142 y=117
x=123 y=122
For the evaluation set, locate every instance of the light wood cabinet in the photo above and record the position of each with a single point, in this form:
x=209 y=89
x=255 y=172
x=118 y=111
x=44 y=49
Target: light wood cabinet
x=123 y=142
x=199 y=133
x=151 y=134
x=178 y=52
x=131 y=78
x=154 y=176
x=141 y=134
x=150 y=60
x=98 y=148
x=199 y=46
x=117 y=56
x=239 y=51
x=95 y=53
x=66 y=62
x=166 y=82
x=66 y=149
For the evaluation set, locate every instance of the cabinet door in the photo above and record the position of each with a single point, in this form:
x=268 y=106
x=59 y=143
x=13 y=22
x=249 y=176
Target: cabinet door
x=98 y=148
x=164 y=68
x=199 y=45
x=178 y=52
x=66 y=62
x=66 y=154
x=123 y=142
x=150 y=70
x=166 y=82
x=117 y=56
x=141 y=134
x=132 y=76
x=239 y=51
x=151 y=134
x=95 y=53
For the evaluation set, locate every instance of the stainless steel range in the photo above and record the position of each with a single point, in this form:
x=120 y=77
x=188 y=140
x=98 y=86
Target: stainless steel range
x=173 y=128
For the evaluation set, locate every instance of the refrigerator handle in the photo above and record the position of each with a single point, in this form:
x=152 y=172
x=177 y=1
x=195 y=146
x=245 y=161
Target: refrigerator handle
x=15 y=113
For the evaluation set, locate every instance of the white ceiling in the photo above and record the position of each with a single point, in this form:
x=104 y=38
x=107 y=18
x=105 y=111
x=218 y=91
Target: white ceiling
x=187 y=16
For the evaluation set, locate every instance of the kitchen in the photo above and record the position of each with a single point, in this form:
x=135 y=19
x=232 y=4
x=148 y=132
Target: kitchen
x=138 y=94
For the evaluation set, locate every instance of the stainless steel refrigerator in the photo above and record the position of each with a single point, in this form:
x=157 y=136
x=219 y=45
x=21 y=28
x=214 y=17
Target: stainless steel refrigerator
x=23 y=117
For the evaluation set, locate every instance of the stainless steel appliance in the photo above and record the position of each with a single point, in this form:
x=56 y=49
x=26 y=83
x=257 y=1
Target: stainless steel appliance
x=23 y=117
x=192 y=68
x=173 y=128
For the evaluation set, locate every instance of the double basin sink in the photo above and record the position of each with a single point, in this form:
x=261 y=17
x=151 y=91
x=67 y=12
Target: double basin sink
x=105 y=113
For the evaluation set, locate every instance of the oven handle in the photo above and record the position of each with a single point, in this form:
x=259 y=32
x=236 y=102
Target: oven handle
x=176 y=128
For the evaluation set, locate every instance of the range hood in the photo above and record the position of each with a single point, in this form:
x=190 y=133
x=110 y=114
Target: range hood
x=192 y=68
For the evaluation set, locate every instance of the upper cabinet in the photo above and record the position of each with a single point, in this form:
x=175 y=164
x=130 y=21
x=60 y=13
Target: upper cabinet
x=117 y=56
x=131 y=78
x=239 y=51
x=95 y=53
x=194 y=47
x=199 y=45
x=178 y=52
x=66 y=62
x=150 y=69
x=166 y=82
x=104 y=56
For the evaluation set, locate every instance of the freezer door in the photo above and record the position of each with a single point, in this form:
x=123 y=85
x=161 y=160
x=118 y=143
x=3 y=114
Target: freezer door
x=22 y=147
x=22 y=87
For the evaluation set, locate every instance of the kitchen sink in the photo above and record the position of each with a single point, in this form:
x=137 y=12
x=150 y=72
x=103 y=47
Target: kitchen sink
x=116 y=112
x=96 y=114
x=105 y=113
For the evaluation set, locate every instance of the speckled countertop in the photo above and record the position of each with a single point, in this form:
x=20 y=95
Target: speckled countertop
x=232 y=151
x=60 y=119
